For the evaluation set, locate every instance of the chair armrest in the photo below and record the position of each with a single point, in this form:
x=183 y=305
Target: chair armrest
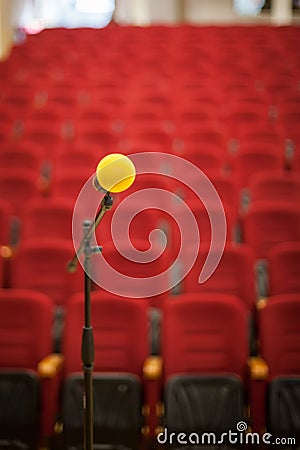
x=261 y=303
x=258 y=372
x=152 y=369
x=152 y=374
x=258 y=368
x=6 y=251
x=50 y=372
x=50 y=366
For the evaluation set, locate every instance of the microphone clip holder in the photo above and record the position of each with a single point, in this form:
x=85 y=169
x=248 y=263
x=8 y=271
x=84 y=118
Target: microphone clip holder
x=106 y=205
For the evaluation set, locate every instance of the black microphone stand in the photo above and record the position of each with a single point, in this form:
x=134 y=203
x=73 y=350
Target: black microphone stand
x=87 y=345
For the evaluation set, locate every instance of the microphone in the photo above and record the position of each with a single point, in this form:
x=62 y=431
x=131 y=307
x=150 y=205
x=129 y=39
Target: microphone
x=115 y=173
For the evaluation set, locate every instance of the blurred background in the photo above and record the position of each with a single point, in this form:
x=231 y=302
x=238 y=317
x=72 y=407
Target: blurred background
x=212 y=82
x=34 y=15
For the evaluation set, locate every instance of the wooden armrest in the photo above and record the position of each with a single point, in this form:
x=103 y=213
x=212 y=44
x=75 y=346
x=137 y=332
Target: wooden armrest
x=152 y=369
x=261 y=303
x=259 y=369
x=6 y=251
x=50 y=366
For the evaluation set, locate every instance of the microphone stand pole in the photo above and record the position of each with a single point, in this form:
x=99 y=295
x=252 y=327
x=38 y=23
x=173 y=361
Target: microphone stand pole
x=87 y=345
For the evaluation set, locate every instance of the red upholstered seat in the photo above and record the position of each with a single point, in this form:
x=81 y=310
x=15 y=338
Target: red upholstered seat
x=17 y=186
x=29 y=395
x=69 y=182
x=5 y=216
x=269 y=185
x=135 y=269
x=41 y=264
x=255 y=159
x=120 y=352
x=205 y=348
x=280 y=350
x=234 y=274
x=284 y=268
x=50 y=218
x=268 y=223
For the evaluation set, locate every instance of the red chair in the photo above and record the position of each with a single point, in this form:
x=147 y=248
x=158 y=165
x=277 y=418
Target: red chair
x=48 y=218
x=147 y=121
x=275 y=186
x=284 y=268
x=268 y=223
x=150 y=140
x=207 y=158
x=76 y=160
x=267 y=136
x=296 y=162
x=288 y=110
x=63 y=96
x=120 y=387
x=203 y=214
x=194 y=110
x=252 y=160
x=7 y=240
x=19 y=158
x=5 y=218
x=205 y=350
x=225 y=186
x=41 y=264
x=43 y=134
x=260 y=137
x=21 y=98
x=279 y=352
x=68 y=183
x=29 y=374
x=92 y=135
x=234 y=274
x=135 y=270
x=206 y=135
x=246 y=114
x=155 y=179
x=143 y=223
x=17 y=186
x=281 y=87
x=43 y=115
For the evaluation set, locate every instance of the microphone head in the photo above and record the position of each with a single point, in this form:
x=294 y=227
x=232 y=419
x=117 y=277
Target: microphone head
x=115 y=173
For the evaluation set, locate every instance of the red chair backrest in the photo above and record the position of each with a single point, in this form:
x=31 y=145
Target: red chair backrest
x=120 y=333
x=205 y=333
x=41 y=264
x=234 y=275
x=279 y=334
x=25 y=328
x=284 y=268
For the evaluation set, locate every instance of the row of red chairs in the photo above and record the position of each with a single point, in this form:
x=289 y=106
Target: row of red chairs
x=258 y=170
x=268 y=193
x=203 y=382
x=41 y=264
x=191 y=97
x=226 y=38
x=219 y=149
x=111 y=51
x=257 y=177
x=265 y=226
x=173 y=91
x=262 y=226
